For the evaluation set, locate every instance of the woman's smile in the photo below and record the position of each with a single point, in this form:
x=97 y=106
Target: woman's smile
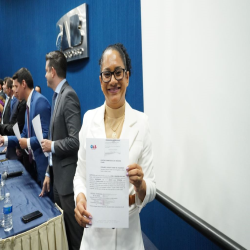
x=114 y=90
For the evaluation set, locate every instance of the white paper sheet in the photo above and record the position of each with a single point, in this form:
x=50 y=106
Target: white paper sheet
x=17 y=131
x=107 y=183
x=38 y=130
x=17 y=134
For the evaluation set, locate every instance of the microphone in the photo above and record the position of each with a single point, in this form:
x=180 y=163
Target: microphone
x=6 y=175
x=14 y=174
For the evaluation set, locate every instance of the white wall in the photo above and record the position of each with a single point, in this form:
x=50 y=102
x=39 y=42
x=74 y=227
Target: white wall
x=196 y=77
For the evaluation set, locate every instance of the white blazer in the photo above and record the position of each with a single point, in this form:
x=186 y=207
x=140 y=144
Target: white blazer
x=136 y=129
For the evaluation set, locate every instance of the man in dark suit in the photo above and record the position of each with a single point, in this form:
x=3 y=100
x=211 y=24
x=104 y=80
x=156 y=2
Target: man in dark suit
x=63 y=144
x=36 y=104
x=17 y=116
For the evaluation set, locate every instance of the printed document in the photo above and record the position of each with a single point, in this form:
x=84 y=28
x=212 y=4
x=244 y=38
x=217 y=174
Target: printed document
x=38 y=130
x=107 y=183
x=17 y=134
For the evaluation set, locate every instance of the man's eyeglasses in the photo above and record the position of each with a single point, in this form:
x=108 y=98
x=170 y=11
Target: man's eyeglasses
x=107 y=75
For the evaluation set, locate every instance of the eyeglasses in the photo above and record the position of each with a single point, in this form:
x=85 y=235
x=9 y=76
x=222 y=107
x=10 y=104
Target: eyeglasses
x=107 y=75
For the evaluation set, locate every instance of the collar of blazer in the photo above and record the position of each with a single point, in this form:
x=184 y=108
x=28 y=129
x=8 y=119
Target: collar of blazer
x=129 y=130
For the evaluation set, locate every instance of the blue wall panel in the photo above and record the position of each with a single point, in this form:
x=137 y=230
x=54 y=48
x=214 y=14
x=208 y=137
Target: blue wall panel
x=29 y=31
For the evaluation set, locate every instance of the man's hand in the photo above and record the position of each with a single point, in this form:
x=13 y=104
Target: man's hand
x=1 y=141
x=46 y=145
x=19 y=152
x=23 y=143
x=46 y=186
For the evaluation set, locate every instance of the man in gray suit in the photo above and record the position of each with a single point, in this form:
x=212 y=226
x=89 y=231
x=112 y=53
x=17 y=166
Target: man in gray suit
x=63 y=143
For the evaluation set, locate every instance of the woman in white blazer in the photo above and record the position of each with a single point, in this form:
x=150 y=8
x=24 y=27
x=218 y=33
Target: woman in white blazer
x=116 y=119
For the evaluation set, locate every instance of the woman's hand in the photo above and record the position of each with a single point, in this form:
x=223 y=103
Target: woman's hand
x=135 y=174
x=83 y=217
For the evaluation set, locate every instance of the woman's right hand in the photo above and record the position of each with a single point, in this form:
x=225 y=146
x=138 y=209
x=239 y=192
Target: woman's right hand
x=83 y=217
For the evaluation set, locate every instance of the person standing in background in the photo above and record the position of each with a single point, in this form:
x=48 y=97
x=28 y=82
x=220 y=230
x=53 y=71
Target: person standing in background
x=63 y=143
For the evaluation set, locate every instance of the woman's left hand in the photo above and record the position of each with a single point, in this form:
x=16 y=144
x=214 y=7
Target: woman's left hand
x=135 y=174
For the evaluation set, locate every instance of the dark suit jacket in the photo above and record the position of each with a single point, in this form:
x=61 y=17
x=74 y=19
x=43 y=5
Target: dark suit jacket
x=65 y=126
x=17 y=117
x=38 y=105
x=12 y=103
x=6 y=114
x=14 y=108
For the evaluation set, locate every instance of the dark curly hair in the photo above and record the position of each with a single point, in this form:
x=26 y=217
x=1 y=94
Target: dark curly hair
x=119 y=47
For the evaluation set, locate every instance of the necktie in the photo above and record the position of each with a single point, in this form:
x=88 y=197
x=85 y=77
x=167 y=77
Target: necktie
x=50 y=134
x=52 y=110
x=53 y=103
x=28 y=124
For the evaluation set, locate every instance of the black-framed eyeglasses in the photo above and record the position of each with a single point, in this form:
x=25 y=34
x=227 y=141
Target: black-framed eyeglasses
x=107 y=75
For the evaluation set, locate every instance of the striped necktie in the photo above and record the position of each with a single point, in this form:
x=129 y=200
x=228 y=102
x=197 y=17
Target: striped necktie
x=52 y=111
